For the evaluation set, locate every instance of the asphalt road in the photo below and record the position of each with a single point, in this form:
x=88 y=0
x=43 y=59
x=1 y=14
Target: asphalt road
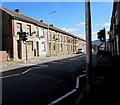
x=41 y=84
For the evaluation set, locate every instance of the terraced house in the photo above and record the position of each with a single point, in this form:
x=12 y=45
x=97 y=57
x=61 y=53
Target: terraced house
x=40 y=42
x=114 y=34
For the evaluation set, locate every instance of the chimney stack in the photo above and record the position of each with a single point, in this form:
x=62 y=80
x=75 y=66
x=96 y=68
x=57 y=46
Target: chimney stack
x=51 y=25
x=17 y=10
x=41 y=21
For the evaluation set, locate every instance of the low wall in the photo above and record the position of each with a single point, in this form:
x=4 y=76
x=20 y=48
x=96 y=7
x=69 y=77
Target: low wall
x=3 y=56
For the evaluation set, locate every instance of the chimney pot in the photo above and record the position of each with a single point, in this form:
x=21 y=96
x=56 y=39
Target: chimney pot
x=17 y=10
x=41 y=20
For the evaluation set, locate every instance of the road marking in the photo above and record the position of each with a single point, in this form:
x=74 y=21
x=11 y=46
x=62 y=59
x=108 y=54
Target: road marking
x=9 y=76
x=61 y=98
x=82 y=75
x=42 y=65
x=71 y=92
x=15 y=74
x=78 y=78
x=39 y=66
x=77 y=83
x=84 y=71
x=26 y=71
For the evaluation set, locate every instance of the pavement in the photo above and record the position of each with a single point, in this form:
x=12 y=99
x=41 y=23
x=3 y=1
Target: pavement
x=104 y=85
x=9 y=65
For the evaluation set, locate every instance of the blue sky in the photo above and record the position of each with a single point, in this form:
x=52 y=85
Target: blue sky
x=69 y=16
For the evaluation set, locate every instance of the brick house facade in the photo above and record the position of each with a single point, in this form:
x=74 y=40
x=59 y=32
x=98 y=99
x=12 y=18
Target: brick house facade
x=40 y=42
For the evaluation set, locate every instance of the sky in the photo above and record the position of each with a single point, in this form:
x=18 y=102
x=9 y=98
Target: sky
x=69 y=16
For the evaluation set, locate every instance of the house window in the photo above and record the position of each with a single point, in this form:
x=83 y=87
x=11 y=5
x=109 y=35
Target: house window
x=41 y=32
x=64 y=39
x=53 y=36
x=53 y=46
x=29 y=46
x=61 y=47
x=43 y=46
x=49 y=36
x=37 y=32
x=58 y=37
x=29 y=30
x=66 y=47
x=61 y=38
x=19 y=27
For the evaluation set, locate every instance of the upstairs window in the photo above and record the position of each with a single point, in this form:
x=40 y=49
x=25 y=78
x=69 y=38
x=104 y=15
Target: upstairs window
x=19 y=27
x=50 y=36
x=29 y=30
x=61 y=38
x=37 y=32
x=41 y=32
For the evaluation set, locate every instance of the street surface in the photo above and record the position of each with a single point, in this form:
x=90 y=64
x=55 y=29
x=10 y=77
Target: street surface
x=42 y=84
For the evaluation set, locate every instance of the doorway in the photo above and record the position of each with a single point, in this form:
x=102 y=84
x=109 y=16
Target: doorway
x=19 y=49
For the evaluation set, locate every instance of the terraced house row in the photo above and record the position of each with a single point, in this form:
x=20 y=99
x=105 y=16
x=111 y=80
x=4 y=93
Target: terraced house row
x=114 y=33
x=42 y=39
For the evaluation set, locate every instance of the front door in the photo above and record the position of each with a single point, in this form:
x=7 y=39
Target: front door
x=37 y=45
x=19 y=49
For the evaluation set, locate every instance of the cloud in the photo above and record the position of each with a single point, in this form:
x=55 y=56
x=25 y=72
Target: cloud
x=70 y=29
x=82 y=36
x=94 y=36
x=97 y=24
x=94 y=33
x=106 y=24
x=80 y=24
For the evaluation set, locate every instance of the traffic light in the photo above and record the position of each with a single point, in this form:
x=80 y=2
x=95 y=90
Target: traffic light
x=24 y=36
x=101 y=35
x=20 y=35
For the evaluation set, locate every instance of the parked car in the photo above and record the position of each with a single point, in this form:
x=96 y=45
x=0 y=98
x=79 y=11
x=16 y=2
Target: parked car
x=80 y=51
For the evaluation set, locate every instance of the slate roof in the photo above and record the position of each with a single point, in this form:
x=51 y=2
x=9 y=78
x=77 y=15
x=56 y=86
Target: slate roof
x=22 y=17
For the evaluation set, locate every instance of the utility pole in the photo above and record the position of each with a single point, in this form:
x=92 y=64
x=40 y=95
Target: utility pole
x=48 y=52
x=26 y=51
x=88 y=44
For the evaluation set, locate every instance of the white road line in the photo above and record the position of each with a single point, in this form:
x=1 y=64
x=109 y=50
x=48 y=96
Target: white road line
x=39 y=66
x=77 y=83
x=42 y=66
x=9 y=76
x=59 y=99
x=26 y=71
x=15 y=74
x=84 y=71
x=82 y=75
x=71 y=92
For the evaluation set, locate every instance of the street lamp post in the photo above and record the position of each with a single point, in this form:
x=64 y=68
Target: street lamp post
x=48 y=51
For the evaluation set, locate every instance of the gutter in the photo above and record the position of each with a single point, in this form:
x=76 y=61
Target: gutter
x=17 y=18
